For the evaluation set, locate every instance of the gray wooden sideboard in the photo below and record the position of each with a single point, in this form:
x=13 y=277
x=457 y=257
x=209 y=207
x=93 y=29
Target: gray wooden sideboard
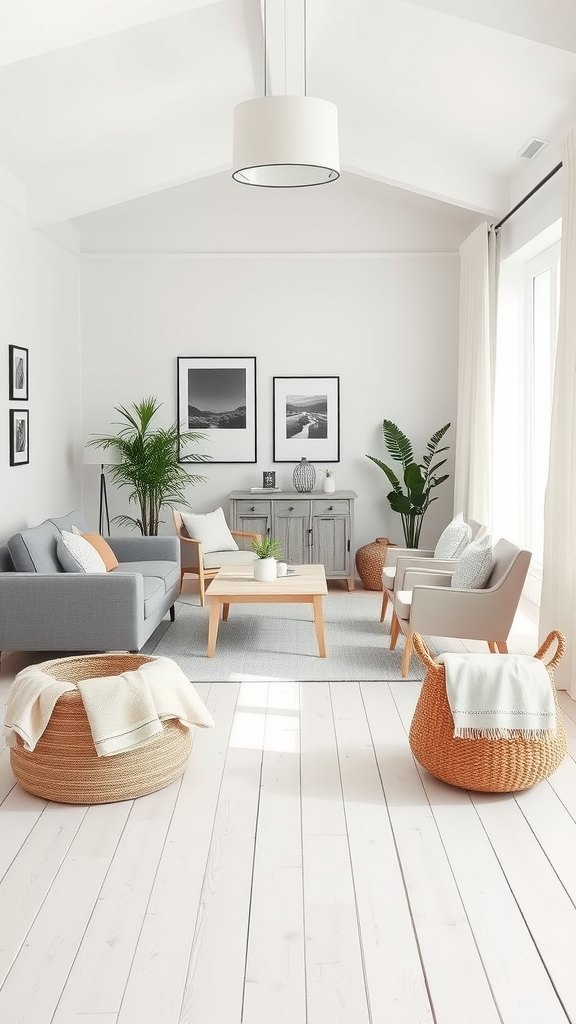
x=312 y=527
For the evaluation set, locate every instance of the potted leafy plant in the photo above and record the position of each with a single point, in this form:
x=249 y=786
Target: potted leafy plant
x=267 y=551
x=419 y=478
x=148 y=463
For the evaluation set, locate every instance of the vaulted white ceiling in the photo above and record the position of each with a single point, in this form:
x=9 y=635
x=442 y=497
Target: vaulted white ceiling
x=104 y=101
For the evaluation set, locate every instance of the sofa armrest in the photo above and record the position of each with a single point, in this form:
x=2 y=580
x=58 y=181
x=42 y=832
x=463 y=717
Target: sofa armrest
x=394 y=553
x=71 y=611
x=145 y=549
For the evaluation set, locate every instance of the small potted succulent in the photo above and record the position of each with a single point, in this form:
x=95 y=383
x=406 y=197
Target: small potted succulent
x=267 y=551
x=328 y=483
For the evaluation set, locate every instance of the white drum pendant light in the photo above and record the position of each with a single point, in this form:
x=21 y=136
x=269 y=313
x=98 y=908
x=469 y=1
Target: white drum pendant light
x=285 y=141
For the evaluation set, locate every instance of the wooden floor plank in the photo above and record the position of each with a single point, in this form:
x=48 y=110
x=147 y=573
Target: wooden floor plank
x=156 y=981
x=97 y=980
x=394 y=975
x=53 y=940
x=275 y=975
x=546 y=907
x=19 y=813
x=454 y=970
x=519 y=981
x=222 y=921
x=7 y=780
x=335 y=983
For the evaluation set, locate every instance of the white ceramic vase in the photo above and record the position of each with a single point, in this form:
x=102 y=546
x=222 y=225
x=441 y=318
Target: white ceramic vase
x=264 y=570
x=328 y=484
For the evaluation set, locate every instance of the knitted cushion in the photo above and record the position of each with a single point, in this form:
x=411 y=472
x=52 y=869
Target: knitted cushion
x=454 y=539
x=474 y=566
x=76 y=554
x=211 y=530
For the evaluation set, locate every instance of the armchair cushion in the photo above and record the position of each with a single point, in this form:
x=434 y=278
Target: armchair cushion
x=218 y=558
x=211 y=529
x=76 y=554
x=454 y=539
x=475 y=565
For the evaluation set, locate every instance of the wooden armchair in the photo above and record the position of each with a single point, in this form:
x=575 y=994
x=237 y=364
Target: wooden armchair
x=195 y=561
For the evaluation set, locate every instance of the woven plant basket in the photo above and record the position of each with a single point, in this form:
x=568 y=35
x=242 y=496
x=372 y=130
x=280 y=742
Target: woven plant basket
x=489 y=766
x=64 y=765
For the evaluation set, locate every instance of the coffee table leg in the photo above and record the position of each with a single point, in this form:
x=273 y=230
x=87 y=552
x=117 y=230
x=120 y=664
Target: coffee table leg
x=213 y=626
x=225 y=612
x=319 y=623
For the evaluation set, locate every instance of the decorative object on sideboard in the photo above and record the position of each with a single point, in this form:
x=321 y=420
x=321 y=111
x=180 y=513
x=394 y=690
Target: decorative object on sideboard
x=328 y=483
x=304 y=476
x=419 y=478
x=267 y=551
x=19 y=439
x=268 y=479
x=18 y=373
x=217 y=395
x=149 y=464
x=370 y=562
x=306 y=419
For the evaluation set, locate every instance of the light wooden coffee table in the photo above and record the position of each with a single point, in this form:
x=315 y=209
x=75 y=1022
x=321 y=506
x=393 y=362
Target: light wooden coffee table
x=305 y=584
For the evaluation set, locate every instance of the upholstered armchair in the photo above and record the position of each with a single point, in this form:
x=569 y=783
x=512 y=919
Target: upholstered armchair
x=442 y=559
x=431 y=606
x=200 y=558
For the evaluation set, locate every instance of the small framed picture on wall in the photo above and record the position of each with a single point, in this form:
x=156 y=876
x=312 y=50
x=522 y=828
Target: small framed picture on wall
x=18 y=373
x=19 y=440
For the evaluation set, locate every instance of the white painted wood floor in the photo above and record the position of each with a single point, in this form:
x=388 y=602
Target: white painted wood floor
x=304 y=869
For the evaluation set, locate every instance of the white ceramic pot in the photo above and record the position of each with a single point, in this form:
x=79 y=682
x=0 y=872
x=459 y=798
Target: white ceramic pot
x=328 y=484
x=264 y=570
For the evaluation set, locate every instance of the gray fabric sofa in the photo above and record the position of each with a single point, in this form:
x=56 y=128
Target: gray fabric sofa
x=43 y=608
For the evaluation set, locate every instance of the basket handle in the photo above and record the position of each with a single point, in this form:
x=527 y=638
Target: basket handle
x=423 y=651
x=561 y=642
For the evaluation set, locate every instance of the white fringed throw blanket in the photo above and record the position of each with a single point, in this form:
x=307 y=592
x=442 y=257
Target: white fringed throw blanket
x=499 y=696
x=124 y=711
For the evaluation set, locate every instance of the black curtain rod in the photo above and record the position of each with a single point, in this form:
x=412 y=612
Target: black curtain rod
x=529 y=196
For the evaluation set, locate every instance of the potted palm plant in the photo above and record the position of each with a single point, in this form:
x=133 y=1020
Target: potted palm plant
x=148 y=463
x=418 y=478
x=267 y=551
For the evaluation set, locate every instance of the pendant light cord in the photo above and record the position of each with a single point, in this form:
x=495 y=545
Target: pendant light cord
x=285 y=51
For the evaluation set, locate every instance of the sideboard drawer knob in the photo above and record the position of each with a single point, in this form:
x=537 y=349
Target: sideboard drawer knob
x=291 y=509
x=253 y=509
x=330 y=508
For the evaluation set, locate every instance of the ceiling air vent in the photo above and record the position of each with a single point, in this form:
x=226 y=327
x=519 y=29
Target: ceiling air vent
x=531 y=147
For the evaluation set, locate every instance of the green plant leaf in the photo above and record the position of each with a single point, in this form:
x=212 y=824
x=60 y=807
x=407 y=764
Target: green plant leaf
x=414 y=478
x=397 y=443
x=389 y=473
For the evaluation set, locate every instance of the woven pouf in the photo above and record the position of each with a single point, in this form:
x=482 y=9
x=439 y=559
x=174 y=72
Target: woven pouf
x=64 y=765
x=485 y=765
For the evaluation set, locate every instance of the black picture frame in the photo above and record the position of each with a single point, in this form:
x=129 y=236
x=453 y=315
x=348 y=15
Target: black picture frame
x=18 y=373
x=306 y=419
x=217 y=398
x=19 y=437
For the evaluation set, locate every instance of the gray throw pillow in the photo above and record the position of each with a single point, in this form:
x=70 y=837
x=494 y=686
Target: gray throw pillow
x=475 y=565
x=454 y=539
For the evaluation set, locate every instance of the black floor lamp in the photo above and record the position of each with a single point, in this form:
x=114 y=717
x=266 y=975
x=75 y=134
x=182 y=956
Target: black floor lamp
x=92 y=457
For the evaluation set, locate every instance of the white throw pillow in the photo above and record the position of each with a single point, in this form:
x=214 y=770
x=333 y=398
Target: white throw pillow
x=211 y=530
x=475 y=565
x=454 y=539
x=76 y=554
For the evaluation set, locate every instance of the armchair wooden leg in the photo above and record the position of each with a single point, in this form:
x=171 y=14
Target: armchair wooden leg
x=201 y=585
x=502 y=646
x=492 y=646
x=394 y=631
x=182 y=575
x=384 y=605
x=407 y=655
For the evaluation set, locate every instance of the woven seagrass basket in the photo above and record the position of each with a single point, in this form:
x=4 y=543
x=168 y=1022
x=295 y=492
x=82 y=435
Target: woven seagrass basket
x=64 y=765
x=489 y=766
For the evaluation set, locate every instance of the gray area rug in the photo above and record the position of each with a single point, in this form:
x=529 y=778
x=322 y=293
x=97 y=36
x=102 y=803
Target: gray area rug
x=278 y=641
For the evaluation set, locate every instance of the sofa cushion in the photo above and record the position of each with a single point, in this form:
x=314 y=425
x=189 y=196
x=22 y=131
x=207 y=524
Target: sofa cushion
x=154 y=593
x=103 y=549
x=475 y=565
x=211 y=529
x=76 y=554
x=454 y=539
x=34 y=550
x=168 y=572
x=71 y=520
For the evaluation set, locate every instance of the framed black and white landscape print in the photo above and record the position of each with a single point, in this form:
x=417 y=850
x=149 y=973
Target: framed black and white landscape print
x=217 y=397
x=18 y=373
x=19 y=444
x=306 y=416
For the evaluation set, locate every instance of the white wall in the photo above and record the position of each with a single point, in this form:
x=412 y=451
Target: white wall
x=386 y=324
x=39 y=310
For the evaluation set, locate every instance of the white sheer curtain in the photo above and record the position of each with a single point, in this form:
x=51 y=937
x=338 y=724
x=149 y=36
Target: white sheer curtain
x=473 y=461
x=558 y=601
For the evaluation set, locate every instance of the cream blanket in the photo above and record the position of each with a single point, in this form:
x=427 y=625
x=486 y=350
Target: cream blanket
x=124 y=711
x=499 y=696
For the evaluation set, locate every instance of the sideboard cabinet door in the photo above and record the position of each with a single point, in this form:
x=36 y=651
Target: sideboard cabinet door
x=291 y=526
